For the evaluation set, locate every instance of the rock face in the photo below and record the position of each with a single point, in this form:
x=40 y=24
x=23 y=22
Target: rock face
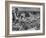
x=25 y=19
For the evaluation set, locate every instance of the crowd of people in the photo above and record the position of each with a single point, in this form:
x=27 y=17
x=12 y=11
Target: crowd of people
x=25 y=20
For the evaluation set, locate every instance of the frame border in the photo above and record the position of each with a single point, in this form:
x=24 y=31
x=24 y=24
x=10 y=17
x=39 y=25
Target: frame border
x=7 y=19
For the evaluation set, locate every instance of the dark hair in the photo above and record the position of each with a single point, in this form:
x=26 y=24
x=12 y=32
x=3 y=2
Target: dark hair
x=27 y=14
x=16 y=9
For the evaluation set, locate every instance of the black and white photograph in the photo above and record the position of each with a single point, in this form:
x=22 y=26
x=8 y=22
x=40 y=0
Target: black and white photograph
x=25 y=18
